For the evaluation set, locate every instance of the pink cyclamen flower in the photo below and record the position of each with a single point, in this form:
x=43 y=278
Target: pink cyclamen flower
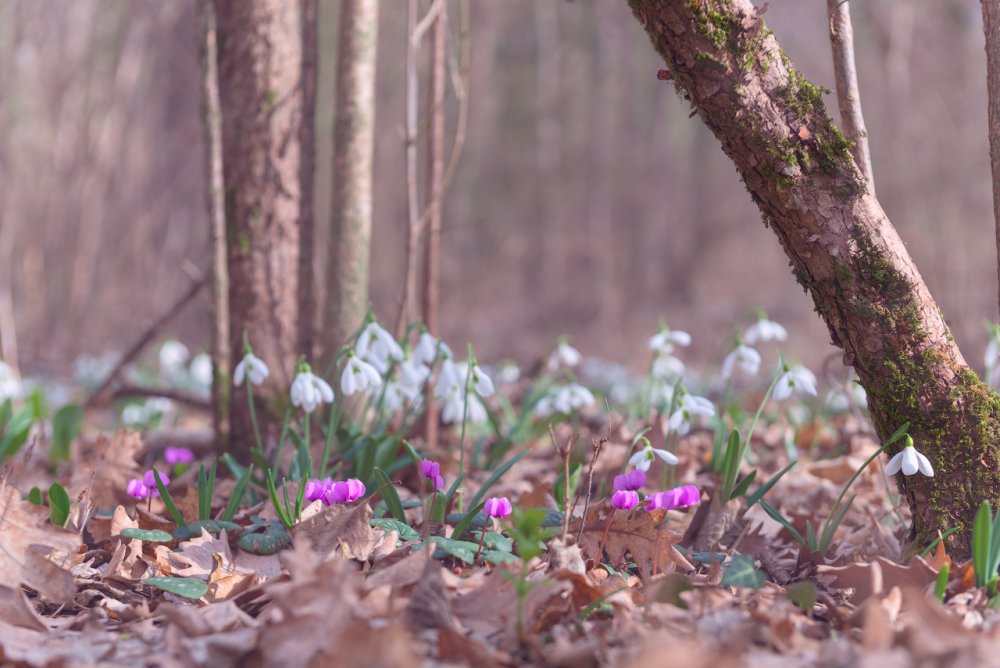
x=175 y=456
x=625 y=499
x=678 y=497
x=136 y=489
x=344 y=491
x=431 y=470
x=498 y=507
x=632 y=480
x=150 y=481
x=315 y=489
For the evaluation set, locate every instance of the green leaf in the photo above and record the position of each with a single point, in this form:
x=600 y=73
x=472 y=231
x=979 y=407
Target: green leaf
x=35 y=496
x=279 y=508
x=496 y=476
x=941 y=585
x=811 y=541
x=389 y=494
x=981 y=540
x=234 y=501
x=168 y=500
x=741 y=573
x=743 y=485
x=65 y=427
x=494 y=541
x=58 y=505
x=766 y=487
x=148 y=535
x=898 y=434
x=730 y=466
x=498 y=557
x=804 y=595
x=780 y=519
x=387 y=524
x=671 y=588
x=474 y=515
x=186 y=587
x=265 y=538
x=460 y=549
x=16 y=432
x=832 y=523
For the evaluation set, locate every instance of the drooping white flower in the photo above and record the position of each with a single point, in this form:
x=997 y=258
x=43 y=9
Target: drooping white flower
x=358 y=375
x=426 y=349
x=644 y=458
x=449 y=377
x=663 y=341
x=174 y=355
x=10 y=383
x=412 y=374
x=377 y=346
x=454 y=407
x=563 y=355
x=688 y=407
x=201 y=370
x=842 y=399
x=565 y=400
x=744 y=358
x=481 y=383
x=909 y=461
x=764 y=330
x=992 y=354
x=797 y=379
x=251 y=367
x=545 y=406
x=309 y=391
x=667 y=368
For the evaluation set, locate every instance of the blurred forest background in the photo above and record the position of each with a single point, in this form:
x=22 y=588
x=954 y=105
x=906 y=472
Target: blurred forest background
x=586 y=202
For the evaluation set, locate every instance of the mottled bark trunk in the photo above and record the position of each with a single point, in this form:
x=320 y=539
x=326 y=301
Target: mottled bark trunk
x=848 y=94
x=844 y=251
x=260 y=65
x=353 y=155
x=429 y=293
x=216 y=208
x=307 y=139
x=991 y=26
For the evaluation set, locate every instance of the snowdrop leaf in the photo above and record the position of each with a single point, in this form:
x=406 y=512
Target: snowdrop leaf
x=780 y=519
x=766 y=487
x=389 y=494
x=496 y=476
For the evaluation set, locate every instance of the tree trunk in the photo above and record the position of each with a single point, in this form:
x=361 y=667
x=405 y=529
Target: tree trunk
x=216 y=207
x=260 y=64
x=353 y=155
x=307 y=166
x=991 y=26
x=848 y=93
x=844 y=251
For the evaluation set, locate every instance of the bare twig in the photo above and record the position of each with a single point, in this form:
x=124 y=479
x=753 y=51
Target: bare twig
x=151 y=333
x=848 y=95
x=597 y=445
x=190 y=400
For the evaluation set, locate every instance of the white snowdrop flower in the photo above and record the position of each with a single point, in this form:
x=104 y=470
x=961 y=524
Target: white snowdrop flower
x=563 y=355
x=251 y=367
x=644 y=458
x=412 y=374
x=454 y=407
x=508 y=373
x=160 y=405
x=393 y=398
x=309 y=391
x=358 y=375
x=662 y=394
x=135 y=414
x=744 y=358
x=174 y=355
x=667 y=368
x=764 y=330
x=859 y=397
x=481 y=383
x=799 y=379
x=449 y=377
x=426 y=349
x=10 y=383
x=837 y=401
x=545 y=406
x=909 y=461
x=566 y=400
x=689 y=406
x=375 y=343
x=201 y=370
x=663 y=341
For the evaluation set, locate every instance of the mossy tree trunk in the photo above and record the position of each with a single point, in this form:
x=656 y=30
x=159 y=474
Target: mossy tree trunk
x=844 y=251
x=260 y=65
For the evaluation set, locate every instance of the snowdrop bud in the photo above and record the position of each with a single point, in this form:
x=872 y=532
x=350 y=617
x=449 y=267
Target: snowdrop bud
x=481 y=382
x=309 y=391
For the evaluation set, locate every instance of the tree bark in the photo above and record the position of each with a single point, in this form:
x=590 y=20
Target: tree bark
x=353 y=155
x=799 y=170
x=260 y=65
x=848 y=94
x=429 y=294
x=991 y=26
x=215 y=201
x=307 y=138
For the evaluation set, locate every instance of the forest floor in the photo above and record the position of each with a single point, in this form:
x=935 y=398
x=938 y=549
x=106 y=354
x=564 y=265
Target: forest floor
x=708 y=585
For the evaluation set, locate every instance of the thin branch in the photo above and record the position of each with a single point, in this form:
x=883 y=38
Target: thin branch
x=848 y=94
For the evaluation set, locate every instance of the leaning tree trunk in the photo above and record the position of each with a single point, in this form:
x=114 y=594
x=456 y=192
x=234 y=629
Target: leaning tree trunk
x=991 y=26
x=844 y=251
x=260 y=55
x=353 y=160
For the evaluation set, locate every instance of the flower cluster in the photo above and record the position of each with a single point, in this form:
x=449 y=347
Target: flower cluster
x=145 y=487
x=678 y=497
x=564 y=400
x=563 y=355
x=452 y=381
x=333 y=492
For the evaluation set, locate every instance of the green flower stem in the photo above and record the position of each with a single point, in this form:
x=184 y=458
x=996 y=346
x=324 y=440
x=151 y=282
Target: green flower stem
x=253 y=416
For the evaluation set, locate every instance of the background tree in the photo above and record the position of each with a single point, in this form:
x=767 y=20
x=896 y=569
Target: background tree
x=798 y=167
x=351 y=225
x=991 y=26
x=308 y=314
x=260 y=64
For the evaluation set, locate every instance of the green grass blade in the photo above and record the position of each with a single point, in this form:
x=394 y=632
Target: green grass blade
x=496 y=476
x=766 y=487
x=168 y=500
x=780 y=519
x=981 y=540
x=389 y=494
x=234 y=501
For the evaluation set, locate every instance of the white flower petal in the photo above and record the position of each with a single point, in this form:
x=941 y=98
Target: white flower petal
x=924 y=465
x=910 y=461
x=894 y=464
